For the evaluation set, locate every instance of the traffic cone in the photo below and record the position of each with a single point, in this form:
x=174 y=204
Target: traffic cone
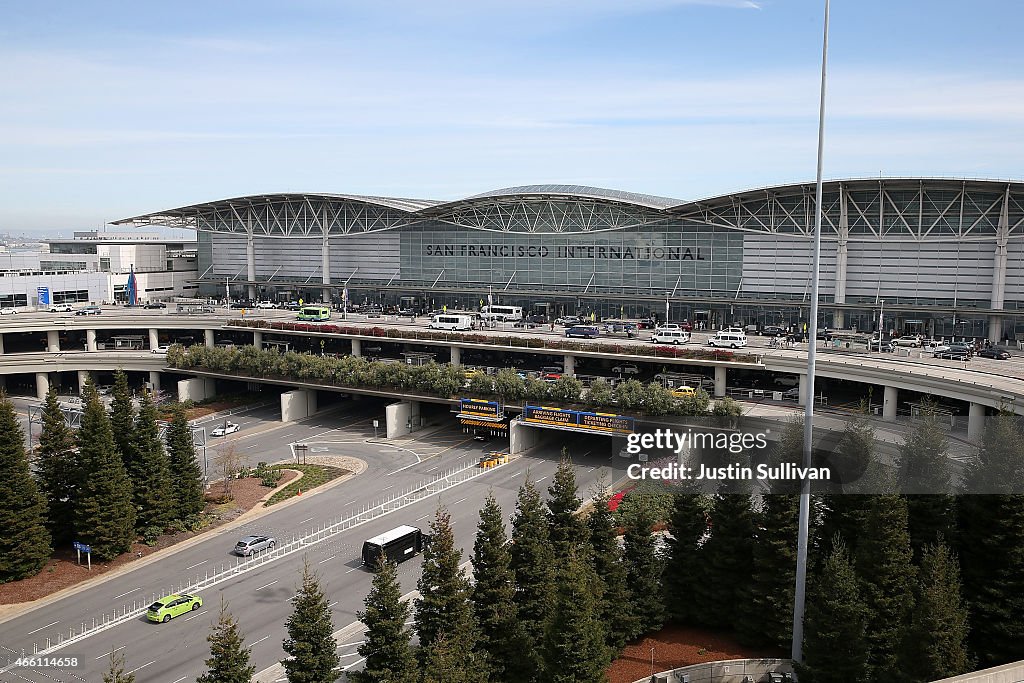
x=299 y=493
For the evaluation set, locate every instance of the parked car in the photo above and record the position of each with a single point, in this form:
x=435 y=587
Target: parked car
x=89 y=310
x=626 y=369
x=568 y=320
x=160 y=349
x=884 y=347
x=772 y=331
x=683 y=392
x=154 y=304
x=406 y=313
x=912 y=342
x=550 y=372
x=962 y=349
x=9 y=311
x=996 y=352
x=60 y=308
x=224 y=429
x=585 y=331
x=663 y=336
x=166 y=608
x=791 y=394
x=267 y=304
x=250 y=545
x=953 y=353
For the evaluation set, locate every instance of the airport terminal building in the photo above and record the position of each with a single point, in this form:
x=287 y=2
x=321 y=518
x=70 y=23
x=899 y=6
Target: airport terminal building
x=940 y=257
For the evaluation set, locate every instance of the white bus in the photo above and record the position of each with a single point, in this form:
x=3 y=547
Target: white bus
x=447 y=321
x=502 y=313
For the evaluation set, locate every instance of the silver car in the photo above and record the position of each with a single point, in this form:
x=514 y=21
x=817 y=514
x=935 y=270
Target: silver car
x=250 y=545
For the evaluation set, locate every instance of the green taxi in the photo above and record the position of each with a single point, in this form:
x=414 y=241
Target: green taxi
x=165 y=609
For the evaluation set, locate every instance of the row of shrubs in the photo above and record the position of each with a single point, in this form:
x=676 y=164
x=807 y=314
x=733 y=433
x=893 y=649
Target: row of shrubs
x=443 y=381
x=636 y=349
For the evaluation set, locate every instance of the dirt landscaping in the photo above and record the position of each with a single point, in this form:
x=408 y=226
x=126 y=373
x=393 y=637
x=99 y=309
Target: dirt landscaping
x=678 y=646
x=62 y=571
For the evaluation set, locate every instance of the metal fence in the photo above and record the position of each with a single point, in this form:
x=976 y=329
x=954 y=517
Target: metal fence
x=424 y=489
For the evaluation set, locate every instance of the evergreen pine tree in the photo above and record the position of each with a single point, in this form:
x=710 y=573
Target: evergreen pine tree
x=770 y=594
x=501 y=636
x=687 y=525
x=991 y=543
x=533 y=564
x=835 y=623
x=574 y=643
x=186 y=475
x=617 y=612
x=938 y=633
x=843 y=511
x=643 y=572
x=152 y=496
x=728 y=557
x=57 y=471
x=105 y=513
x=445 y=662
x=566 y=529
x=229 y=657
x=122 y=422
x=310 y=642
x=924 y=474
x=25 y=541
x=886 y=577
x=389 y=657
x=115 y=672
x=444 y=606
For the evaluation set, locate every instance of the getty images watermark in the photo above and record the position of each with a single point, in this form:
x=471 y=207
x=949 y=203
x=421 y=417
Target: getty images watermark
x=683 y=443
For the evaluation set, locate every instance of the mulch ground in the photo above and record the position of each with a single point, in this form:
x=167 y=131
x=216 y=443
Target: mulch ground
x=678 y=646
x=63 y=570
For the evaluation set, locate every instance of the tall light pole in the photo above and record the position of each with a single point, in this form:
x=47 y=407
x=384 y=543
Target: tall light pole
x=799 y=594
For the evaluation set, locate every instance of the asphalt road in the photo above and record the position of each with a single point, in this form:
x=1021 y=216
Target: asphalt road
x=174 y=652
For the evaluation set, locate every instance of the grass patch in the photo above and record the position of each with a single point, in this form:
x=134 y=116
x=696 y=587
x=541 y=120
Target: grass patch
x=312 y=476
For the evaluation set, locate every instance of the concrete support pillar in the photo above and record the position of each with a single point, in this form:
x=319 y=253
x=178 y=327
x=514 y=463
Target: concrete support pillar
x=257 y=339
x=154 y=380
x=802 y=389
x=720 y=375
x=357 y=347
x=522 y=438
x=196 y=389
x=83 y=378
x=839 y=319
x=90 y=340
x=995 y=328
x=154 y=338
x=250 y=263
x=52 y=341
x=456 y=355
x=298 y=404
x=208 y=334
x=569 y=367
x=1 y=344
x=890 y=400
x=42 y=385
x=976 y=422
x=325 y=265
x=401 y=418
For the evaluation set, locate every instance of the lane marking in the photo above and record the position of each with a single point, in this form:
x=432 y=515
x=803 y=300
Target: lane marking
x=332 y=604
x=515 y=475
x=388 y=487
x=422 y=518
x=196 y=564
x=180 y=679
x=356 y=663
x=461 y=500
x=327 y=560
x=268 y=585
x=194 y=615
x=306 y=520
x=433 y=468
x=108 y=654
x=255 y=643
x=540 y=480
x=352 y=570
x=358 y=642
x=41 y=628
x=142 y=667
x=124 y=594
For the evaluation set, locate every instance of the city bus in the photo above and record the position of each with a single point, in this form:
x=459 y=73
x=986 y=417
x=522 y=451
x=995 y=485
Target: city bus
x=314 y=313
x=502 y=313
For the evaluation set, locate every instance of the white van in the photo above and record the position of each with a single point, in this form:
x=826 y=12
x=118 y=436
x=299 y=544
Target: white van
x=451 y=322
x=733 y=340
x=666 y=336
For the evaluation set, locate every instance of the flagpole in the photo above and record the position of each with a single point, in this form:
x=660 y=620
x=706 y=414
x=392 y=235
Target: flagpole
x=799 y=594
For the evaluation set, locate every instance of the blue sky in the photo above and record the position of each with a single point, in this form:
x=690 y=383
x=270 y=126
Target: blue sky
x=112 y=109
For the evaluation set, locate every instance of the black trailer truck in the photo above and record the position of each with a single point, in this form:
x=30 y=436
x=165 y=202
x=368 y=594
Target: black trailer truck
x=396 y=545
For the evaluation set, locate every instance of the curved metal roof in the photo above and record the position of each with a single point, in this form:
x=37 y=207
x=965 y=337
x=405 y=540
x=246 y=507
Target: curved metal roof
x=582 y=191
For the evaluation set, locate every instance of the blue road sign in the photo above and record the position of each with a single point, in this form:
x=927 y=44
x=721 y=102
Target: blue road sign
x=85 y=548
x=76 y=545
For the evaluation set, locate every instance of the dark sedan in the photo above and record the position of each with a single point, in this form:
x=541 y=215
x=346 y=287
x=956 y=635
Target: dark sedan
x=995 y=352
